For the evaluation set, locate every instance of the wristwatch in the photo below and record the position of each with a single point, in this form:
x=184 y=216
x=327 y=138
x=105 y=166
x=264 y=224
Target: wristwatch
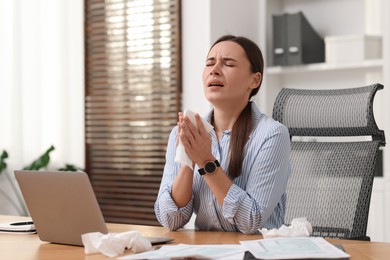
x=209 y=168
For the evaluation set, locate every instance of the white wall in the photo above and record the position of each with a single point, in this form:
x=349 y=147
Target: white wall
x=195 y=44
x=203 y=21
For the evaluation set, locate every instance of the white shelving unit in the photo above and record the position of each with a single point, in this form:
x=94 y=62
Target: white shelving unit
x=337 y=18
x=325 y=67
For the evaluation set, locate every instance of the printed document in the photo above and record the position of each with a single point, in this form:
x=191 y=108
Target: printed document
x=182 y=251
x=293 y=248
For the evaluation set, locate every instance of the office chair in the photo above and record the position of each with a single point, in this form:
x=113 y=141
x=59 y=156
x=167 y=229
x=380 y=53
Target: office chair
x=334 y=149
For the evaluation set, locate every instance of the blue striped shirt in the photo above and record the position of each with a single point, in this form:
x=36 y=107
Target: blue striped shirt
x=257 y=197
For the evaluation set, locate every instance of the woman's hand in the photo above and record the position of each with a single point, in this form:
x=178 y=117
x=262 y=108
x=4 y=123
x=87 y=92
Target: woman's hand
x=196 y=140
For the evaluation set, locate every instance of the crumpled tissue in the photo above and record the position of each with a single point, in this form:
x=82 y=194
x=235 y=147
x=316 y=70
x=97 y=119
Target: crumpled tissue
x=299 y=227
x=181 y=155
x=114 y=244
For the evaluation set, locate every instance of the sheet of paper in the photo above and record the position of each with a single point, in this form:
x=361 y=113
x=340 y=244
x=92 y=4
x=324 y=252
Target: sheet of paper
x=294 y=248
x=235 y=251
x=18 y=227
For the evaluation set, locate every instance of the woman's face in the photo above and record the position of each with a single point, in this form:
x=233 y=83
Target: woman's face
x=227 y=76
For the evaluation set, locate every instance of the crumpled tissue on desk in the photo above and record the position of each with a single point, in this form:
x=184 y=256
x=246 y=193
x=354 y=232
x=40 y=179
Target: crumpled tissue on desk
x=114 y=244
x=299 y=227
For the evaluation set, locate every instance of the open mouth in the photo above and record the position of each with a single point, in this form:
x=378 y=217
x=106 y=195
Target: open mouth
x=215 y=85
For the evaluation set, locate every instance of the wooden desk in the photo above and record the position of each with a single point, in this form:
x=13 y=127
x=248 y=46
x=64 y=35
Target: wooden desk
x=27 y=247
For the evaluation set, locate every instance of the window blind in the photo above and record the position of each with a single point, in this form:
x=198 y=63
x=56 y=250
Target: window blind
x=133 y=93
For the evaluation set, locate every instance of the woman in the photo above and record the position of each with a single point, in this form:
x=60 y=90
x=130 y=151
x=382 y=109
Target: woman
x=241 y=167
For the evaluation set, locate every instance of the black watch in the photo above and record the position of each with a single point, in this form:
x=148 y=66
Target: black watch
x=209 y=168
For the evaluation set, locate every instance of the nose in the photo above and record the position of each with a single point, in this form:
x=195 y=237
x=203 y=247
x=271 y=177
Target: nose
x=215 y=69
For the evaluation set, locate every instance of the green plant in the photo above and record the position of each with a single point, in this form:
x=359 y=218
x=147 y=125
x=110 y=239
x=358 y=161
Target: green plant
x=3 y=165
x=40 y=163
x=70 y=167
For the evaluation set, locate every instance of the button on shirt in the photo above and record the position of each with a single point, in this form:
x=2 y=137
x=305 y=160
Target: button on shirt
x=257 y=197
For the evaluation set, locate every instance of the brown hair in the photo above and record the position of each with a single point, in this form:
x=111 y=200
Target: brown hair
x=243 y=126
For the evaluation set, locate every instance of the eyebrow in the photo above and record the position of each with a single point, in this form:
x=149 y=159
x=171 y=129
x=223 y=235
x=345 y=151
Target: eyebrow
x=225 y=59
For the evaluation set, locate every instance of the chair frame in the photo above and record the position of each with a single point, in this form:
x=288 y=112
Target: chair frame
x=305 y=124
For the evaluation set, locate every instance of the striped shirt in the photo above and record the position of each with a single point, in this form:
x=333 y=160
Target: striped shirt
x=257 y=197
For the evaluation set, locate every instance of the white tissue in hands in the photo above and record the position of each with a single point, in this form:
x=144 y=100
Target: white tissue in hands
x=114 y=244
x=299 y=227
x=181 y=155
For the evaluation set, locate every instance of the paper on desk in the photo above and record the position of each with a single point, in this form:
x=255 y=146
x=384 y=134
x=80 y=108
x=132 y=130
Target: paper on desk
x=299 y=227
x=18 y=227
x=114 y=244
x=294 y=248
x=183 y=251
x=181 y=155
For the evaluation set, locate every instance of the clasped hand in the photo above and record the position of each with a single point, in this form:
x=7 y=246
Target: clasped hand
x=195 y=139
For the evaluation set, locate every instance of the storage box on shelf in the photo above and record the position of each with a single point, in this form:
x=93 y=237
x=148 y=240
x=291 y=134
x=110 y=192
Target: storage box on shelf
x=352 y=48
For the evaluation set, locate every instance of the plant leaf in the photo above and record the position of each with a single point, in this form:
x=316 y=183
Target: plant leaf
x=3 y=165
x=41 y=162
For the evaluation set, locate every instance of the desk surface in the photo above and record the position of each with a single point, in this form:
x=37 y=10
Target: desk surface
x=30 y=247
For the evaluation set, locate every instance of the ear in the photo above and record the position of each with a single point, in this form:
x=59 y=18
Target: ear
x=256 y=79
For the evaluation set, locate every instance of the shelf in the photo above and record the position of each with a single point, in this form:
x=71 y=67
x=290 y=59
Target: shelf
x=318 y=67
x=349 y=17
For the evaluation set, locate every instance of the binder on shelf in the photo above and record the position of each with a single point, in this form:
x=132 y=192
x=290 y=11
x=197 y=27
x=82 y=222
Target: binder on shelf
x=301 y=44
x=279 y=40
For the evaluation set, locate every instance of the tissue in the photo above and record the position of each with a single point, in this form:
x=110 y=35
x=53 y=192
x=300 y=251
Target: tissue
x=181 y=155
x=114 y=244
x=299 y=227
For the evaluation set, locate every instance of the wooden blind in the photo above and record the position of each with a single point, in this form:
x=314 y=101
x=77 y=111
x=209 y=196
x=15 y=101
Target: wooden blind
x=133 y=92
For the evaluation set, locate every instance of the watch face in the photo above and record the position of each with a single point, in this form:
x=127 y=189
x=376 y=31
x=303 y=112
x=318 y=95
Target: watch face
x=210 y=167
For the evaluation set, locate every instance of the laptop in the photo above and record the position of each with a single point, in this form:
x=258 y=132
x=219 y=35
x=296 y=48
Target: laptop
x=63 y=206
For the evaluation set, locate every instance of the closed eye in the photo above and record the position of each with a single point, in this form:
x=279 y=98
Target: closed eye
x=229 y=62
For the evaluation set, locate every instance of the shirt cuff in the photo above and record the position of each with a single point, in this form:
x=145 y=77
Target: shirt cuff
x=232 y=202
x=176 y=217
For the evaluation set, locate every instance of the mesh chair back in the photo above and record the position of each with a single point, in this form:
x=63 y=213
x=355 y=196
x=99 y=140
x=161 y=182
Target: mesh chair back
x=331 y=180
